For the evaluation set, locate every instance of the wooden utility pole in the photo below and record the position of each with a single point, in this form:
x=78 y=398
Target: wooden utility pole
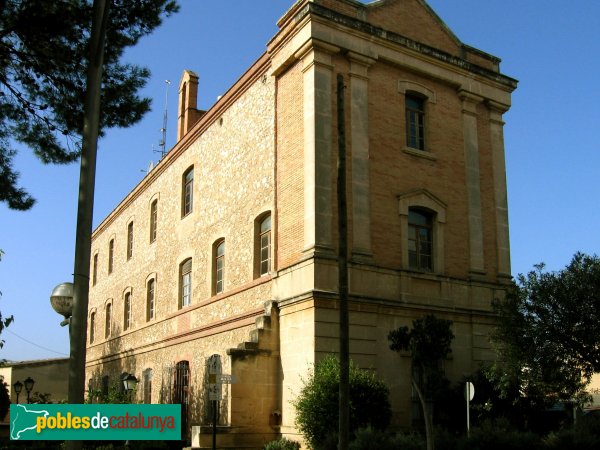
x=344 y=408
x=85 y=208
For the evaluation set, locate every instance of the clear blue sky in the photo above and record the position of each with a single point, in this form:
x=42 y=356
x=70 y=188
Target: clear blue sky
x=552 y=139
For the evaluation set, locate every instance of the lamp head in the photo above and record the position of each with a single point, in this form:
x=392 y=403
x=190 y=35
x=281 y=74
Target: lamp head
x=29 y=382
x=130 y=382
x=61 y=299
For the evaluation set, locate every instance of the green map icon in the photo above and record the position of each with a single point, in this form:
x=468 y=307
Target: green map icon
x=23 y=420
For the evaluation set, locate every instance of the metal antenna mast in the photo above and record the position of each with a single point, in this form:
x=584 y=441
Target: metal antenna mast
x=163 y=142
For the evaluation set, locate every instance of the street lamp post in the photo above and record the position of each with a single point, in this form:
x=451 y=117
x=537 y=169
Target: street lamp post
x=18 y=388
x=29 y=382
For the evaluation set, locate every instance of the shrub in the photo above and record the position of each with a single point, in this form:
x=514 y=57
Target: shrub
x=494 y=436
x=583 y=436
x=411 y=441
x=282 y=444
x=371 y=439
x=317 y=403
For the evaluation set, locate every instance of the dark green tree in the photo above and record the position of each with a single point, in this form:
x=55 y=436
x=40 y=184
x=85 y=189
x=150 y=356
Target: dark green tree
x=43 y=63
x=4 y=322
x=317 y=404
x=4 y=400
x=548 y=334
x=428 y=344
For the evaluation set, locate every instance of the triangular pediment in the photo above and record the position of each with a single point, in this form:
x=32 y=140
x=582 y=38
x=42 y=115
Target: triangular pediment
x=415 y=20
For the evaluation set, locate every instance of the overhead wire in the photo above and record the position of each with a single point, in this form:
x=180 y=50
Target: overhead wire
x=33 y=343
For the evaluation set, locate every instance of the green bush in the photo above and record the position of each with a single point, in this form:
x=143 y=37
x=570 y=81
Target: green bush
x=583 y=436
x=282 y=444
x=329 y=443
x=495 y=436
x=411 y=441
x=371 y=439
x=317 y=403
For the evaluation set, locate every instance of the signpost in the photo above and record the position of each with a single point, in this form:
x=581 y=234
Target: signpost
x=216 y=380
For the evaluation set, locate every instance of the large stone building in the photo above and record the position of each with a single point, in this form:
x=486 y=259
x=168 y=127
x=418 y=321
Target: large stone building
x=228 y=246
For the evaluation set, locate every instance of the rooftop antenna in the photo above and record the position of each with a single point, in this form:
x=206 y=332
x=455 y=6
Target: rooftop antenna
x=163 y=142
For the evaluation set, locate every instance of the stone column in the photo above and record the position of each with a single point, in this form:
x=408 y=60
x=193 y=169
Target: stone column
x=318 y=122
x=359 y=130
x=469 y=113
x=500 y=194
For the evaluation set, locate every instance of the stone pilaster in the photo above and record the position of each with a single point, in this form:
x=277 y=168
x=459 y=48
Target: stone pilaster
x=500 y=194
x=318 y=125
x=471 y=147
x=359 y=129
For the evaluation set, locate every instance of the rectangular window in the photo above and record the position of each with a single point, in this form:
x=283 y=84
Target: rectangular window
x=415 y=122
x=420 y=240
x=265 y=248
x=153 y=220
x=129 y=240
x=111 y=254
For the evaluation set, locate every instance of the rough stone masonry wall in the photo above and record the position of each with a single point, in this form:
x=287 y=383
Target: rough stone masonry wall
x=233 y=185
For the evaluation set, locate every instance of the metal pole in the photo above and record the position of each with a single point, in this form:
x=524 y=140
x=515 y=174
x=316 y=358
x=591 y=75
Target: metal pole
x=468 y=409
x=214 y=430
x=87 y=175
x=344 y=408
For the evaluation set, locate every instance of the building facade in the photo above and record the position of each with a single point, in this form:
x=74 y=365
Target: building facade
x=229 y=245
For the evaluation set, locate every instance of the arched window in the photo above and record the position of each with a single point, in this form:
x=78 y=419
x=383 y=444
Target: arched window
x=420 y=239
x=127 y=311
x=262 y=245
x=105 y=383
x=153 y=220
x=422 y=222
x=181 y=394
x=150 y=299
x=219 y=266
x=129 y=240
x=187 y=192
x=185 y=283
x=92 y=327
x=147 y=386
x=95 y=270
x=111 y=255
x=107 y=320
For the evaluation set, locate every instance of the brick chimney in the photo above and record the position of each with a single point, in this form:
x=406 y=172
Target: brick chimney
x=188 y=114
